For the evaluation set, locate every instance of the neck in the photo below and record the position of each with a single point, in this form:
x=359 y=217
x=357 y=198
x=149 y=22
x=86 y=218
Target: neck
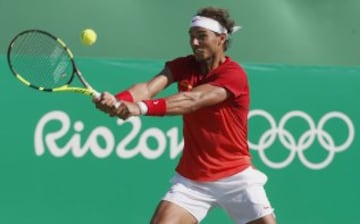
x=212 y=63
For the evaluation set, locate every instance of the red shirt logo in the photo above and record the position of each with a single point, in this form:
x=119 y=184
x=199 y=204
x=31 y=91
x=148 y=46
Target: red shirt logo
x=185 y=85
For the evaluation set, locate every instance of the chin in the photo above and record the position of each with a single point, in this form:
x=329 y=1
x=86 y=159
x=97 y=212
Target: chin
x=200 y=57
x=197 y=58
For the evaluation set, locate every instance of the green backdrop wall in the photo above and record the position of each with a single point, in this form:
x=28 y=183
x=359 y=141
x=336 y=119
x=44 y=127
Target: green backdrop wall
x=301 y=58
x=62 y=161
x=274 y=31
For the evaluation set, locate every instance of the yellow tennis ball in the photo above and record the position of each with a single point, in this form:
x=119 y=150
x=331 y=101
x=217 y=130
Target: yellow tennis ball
x=88 y=37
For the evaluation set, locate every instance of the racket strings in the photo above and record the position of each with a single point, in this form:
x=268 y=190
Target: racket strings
x=41 y=60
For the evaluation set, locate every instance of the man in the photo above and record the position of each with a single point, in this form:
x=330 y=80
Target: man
x=215 y=167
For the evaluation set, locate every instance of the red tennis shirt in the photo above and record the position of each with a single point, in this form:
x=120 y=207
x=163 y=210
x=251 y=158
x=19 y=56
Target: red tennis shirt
x=215 y=137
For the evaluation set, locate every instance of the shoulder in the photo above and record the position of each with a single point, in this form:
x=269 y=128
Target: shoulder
x=231 y=70
x=233 y=65
x=181 y=65
x=181 y=60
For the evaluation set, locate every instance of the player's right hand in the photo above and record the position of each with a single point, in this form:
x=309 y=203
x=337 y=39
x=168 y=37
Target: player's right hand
x=105 y=103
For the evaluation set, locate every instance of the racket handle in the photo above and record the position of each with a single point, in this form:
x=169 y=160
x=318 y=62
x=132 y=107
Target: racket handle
x=96 y=94
x=117 y=104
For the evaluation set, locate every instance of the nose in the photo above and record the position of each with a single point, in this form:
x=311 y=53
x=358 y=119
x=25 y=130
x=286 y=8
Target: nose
x=195 y=42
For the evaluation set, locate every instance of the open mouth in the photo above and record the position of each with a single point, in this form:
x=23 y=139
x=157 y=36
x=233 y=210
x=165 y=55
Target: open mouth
x=199 y=52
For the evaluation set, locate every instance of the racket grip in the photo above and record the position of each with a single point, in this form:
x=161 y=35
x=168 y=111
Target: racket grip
x=117 y=104
x=96 y=94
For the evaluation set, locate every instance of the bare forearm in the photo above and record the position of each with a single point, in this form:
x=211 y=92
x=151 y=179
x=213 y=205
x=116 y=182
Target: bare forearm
x=147 y=90
x=140 y=92
x=182 y=103
x=186 y=102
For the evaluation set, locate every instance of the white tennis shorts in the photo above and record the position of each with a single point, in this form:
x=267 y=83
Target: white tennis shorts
x=242 y=196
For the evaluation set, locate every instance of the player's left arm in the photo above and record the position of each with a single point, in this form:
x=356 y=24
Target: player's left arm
x=220 y=87
x=201 y=96
x=180 y=103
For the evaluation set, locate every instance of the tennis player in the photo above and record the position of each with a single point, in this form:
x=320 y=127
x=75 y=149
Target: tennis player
x=215 y=168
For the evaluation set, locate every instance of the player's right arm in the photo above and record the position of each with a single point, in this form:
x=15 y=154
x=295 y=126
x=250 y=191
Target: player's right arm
x=138 y=92
x=147 y=90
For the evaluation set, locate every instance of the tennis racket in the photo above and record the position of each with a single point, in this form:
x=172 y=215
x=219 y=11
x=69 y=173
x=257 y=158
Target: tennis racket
x=42 y=61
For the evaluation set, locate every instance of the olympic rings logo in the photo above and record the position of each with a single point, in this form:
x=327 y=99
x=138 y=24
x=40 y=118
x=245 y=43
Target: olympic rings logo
x=304 y=142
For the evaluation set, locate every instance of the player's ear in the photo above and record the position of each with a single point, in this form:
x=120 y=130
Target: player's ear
x=222 y=38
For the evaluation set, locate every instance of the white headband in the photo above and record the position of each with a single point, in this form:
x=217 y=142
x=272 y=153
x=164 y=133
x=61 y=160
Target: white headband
x=211 y=24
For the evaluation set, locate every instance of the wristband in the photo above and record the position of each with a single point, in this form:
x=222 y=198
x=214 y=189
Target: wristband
x=156 y=107
x=143 y=108
x=125 y=96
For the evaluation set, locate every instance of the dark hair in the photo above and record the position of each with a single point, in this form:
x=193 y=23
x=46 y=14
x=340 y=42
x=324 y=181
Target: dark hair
x=220 y=15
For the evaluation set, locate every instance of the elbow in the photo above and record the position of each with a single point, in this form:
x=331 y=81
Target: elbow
x=192 y=108
x=193 y=103
x=143 y=91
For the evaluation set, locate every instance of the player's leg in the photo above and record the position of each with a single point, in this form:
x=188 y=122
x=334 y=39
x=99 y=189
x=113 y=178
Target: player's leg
x=245 y=199
x=187 y=202
x=170 y=213
x=268 y=219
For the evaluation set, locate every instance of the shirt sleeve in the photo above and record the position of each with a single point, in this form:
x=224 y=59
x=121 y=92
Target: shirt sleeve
x=180 y=66
x=233 y=79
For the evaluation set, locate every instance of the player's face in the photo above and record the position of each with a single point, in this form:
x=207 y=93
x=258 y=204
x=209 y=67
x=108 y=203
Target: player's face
x=205 y=43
